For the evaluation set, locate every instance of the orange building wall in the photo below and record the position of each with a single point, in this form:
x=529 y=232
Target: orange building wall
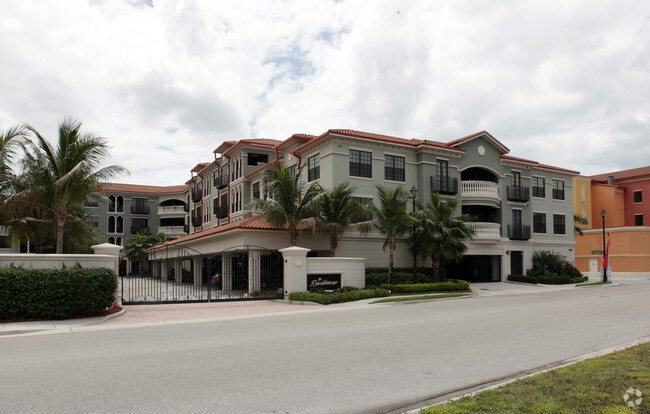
x=629 y=250
x=581 y=204
x=610 y=198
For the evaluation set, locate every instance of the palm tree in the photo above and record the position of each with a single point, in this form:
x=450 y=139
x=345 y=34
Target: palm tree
x=391 y=219
x=338 y=210
x=10 y=140
x=137 y=245
x=440 y=234
x=59 y=180
x=288 y=206
x=579 y=221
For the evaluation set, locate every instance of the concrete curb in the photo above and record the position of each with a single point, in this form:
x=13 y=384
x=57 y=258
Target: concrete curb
x=472 y=390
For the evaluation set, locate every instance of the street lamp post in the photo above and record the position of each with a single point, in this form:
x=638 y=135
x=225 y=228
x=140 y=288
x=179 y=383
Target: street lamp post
x=602 y=214
x=414 y=193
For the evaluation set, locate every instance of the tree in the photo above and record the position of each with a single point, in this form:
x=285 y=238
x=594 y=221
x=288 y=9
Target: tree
x=391 y=219
x=10 y=141
x=137 y=245
x=579 y=221
x=288 y=206
x=440 y=234
x=57 y=181
x=338 y=210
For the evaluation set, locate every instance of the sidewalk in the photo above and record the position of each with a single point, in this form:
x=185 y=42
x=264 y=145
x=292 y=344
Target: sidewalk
x=152 y=315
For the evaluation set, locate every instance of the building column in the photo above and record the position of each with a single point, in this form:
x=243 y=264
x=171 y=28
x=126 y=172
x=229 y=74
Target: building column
x=197 y=271
x=295 y=269
x=505 y=266
x=163 y=270
x=254 y=268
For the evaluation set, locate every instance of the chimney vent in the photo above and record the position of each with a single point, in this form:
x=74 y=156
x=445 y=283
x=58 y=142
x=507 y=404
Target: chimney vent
x=610 y=179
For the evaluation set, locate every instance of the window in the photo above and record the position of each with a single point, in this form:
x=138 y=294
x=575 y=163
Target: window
x=558 y=224
x=139 y=225
x=538 y=187
x=111 y=203
x=558 y=190
x=254 y=159
x=516 y=178
x=119 y=225
x=140 y=206
x=292 y=171
x=358 y=218
x=120 y=204
x=94 y=221
x=539 y=222
x=638 y=196
x=256 y=190
x=5 y=242
x=360 y=164
x=92 y=203
x=394 y=168
x=111 y=224
x=313 y=167
x=638 y=219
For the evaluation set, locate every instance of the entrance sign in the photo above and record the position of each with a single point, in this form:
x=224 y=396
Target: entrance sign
x=325 y=282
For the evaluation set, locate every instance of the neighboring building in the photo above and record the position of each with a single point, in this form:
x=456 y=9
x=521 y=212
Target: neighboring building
x=623 y=195
x=520 y=206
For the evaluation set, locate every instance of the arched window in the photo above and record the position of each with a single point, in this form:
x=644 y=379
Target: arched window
x=111 y=203
x=120 y=204
x=111 y=224
x=111 y=240
x=119 y=225
x=118 y=241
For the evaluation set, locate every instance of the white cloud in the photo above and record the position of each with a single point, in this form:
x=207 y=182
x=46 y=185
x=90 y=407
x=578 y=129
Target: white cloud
x=167 y=81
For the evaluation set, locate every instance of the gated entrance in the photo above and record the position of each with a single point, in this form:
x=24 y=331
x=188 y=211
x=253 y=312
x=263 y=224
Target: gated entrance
x=185 y=275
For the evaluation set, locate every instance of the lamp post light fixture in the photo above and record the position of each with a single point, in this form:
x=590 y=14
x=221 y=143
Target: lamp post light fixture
x=414 y=193
x=602 y=214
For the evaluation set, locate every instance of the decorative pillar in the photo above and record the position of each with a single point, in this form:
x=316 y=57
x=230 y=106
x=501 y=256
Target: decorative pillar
x=254 y=268
x=295 y=269
x=197 y=271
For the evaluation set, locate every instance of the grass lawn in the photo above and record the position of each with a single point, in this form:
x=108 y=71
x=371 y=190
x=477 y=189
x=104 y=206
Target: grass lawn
x=408 y=298
x=592 y=386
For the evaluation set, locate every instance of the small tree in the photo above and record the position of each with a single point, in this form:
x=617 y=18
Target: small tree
x=579 y=221
x=391 y=219
x=137 y=245
x=288 y=205
x=338 y=210
x=440 y=234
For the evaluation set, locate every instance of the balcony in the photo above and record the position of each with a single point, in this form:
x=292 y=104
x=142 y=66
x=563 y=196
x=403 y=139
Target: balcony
x=186 y=207
x=518 y=193
x=519 y=232
x=186 y=228
x=222 y=212
x=196 y=221
x=480 y=193
x=170 y=210
x=139 y=209
x=197 y=196
x=171 y=231
x=444 y=185
x=221 y=181
x=486 y=232
x=138 y=229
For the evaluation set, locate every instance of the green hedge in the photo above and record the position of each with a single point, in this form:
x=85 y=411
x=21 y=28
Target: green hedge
x=522 y=279
x=55 y=293
x=399 y=278
x=327 y=298
x=451 y=284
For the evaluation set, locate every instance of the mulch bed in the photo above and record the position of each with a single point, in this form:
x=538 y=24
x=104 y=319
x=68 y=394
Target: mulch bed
x=113 y=309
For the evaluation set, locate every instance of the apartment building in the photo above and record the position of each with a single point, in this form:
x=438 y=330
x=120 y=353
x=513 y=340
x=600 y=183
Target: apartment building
x=519 y=205
x=622 y=196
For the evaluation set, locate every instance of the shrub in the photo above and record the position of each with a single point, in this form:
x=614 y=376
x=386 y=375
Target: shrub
x=55 y=293
x=376 y=279
x=522 y=278
x=452 y=284
x=328 y=298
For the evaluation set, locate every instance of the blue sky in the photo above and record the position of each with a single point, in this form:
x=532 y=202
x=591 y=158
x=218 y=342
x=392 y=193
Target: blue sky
x=564 y=83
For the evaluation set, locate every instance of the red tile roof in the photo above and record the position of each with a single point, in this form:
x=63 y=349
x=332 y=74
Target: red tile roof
x=142 y=189
x=643 y=172
x=538 y=165
x=294 y=138
x=458 y=141
x=252 y=223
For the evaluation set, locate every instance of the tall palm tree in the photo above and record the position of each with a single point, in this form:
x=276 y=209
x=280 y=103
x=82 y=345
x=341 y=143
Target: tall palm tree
x=338 y=210
x=440 y=234
x=579 y=221
x=288 y=206
x=10 y=141
x=59 y=180
x=391 y=219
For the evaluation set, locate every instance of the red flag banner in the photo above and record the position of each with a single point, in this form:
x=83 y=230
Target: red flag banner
x=609 y=242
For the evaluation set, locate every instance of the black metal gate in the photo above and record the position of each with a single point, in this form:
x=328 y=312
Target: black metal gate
x=238 y=273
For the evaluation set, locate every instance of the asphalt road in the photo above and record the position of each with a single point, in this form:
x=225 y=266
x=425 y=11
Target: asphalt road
x=369 y=359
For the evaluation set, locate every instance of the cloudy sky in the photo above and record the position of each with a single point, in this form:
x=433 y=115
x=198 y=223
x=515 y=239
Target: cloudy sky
x=565 y=83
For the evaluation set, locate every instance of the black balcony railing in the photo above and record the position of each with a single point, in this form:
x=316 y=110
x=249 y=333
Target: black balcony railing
x=221 y=181
x=186 y=207
x=222 y=212
x=196 y=221
x=186 y=228
x=139 y=209
x=139 y=229
x=518 y=232
x=444 y=185
x=197 y=196
x=558 y=194
x=517 y=193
